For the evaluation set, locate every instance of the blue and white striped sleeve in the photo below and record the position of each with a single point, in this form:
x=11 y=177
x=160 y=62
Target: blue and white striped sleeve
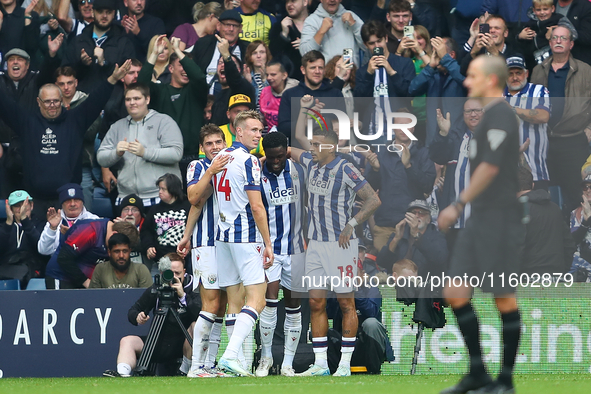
x=352 y=177
x=194 y=172
x=253 y=174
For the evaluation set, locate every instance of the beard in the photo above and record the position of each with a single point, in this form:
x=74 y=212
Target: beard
x=518 y=86
x=121 y=268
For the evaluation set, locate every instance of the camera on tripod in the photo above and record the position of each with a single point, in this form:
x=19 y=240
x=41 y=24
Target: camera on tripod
x=166 y=304
x=163 y=287
x=428 y=312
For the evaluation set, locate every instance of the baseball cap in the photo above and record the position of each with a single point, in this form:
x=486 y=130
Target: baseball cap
x=17 y=52
x=105 y=5
x=516 y=61
x=18 y=196
x=587 y=179
x=232 y=15
x=418 y=204
x=239 y=99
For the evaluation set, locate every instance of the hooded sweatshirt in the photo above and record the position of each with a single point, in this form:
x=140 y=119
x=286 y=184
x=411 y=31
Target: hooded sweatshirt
x=270 y=101
x=163 y=142
x=337 y=38
x=52 y=148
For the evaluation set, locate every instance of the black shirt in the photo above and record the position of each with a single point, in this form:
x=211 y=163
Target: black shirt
x=496 y=141
x=556 y=88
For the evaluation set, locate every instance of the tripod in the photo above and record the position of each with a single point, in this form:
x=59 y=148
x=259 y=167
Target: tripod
x=415 y=357
x=166 y=297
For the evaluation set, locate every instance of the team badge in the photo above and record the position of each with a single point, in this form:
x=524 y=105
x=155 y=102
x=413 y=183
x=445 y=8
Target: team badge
x=212 y=279
x=71 y=192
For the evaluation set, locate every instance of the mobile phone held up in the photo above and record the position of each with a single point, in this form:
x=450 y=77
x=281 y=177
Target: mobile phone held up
x=409 y=32
x=378 y=51
x=348 y=55
x=484 y=28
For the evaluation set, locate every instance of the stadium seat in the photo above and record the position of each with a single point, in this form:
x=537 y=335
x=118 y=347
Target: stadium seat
x=10 y=284
x=36 y=284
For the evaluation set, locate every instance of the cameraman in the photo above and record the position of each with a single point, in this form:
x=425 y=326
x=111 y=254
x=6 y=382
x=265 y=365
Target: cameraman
x=172 y=343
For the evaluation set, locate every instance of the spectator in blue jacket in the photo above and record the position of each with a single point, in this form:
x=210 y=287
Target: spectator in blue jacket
x=402 y=173
x=440 y=78
x=417 y=239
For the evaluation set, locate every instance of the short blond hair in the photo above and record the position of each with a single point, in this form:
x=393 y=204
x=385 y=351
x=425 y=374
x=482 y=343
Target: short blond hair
x=243 y=116
x=548 y=3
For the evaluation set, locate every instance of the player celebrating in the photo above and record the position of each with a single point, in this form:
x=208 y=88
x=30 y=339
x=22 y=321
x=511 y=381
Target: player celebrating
x=333 y=183
x=242 y=229
x=282 y=187
x=200 y=233
x=490 y=241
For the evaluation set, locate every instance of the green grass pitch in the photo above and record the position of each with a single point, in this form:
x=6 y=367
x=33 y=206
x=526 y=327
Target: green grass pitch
x=359 y=384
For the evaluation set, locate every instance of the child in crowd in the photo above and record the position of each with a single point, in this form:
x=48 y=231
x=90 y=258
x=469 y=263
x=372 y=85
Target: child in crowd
x=535 y=37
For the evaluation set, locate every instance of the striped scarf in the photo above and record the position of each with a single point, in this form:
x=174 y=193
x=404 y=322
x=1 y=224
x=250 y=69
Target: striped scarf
x=256 y=77
x=383 y=111
x=462 y=176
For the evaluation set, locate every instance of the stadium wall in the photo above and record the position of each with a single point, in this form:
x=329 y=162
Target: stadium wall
x=76 y=333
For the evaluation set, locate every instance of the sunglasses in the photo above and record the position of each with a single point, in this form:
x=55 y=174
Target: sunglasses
x=586 y=187
x=83 y=2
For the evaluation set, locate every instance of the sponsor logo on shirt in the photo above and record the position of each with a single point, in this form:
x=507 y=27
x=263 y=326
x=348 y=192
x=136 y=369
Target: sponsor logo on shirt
x=285 y=196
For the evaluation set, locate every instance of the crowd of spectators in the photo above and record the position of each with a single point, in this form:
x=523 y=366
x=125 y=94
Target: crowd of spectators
x=101 y=104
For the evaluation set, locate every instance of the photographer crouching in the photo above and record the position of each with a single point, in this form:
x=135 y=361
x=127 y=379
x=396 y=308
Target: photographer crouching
x=171 y=343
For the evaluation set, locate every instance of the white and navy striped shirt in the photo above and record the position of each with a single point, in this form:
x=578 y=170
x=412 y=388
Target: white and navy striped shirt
x=331 y=194
x=204 y=231
x=462 y=176
x=243 y=172
x=283 y=197
x=533 y=97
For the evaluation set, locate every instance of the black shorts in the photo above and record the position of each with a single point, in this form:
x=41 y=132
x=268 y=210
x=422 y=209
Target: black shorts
x=169 y=349
x=489 y=250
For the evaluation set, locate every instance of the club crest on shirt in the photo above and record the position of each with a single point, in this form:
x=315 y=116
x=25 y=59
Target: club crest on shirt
x=191 y=170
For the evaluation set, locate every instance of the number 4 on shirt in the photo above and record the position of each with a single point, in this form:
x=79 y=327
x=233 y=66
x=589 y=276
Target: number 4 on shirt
x=224 y=185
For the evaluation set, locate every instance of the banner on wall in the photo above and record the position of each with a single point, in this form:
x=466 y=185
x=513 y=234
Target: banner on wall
x=54 y=333
x=555 y=334
x=77 y=332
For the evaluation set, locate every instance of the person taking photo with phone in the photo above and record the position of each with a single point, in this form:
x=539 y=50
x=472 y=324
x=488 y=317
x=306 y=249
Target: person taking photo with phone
x=488 y=35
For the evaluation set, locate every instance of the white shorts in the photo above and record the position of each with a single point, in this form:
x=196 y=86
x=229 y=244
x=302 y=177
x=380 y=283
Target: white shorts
x=205 y=267
x=289 y=269
x=330 y=267
x=240 y=263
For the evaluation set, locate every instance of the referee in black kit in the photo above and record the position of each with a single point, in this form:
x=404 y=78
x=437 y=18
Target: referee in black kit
x=490 y=243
